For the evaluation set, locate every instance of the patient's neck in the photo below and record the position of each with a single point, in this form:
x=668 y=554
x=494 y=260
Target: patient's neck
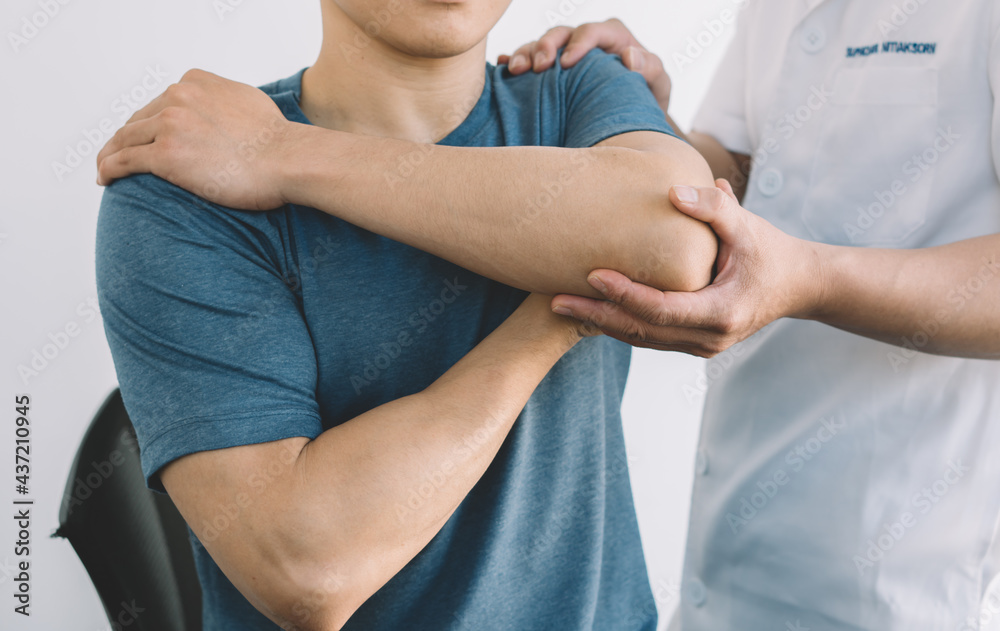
x=377 y=90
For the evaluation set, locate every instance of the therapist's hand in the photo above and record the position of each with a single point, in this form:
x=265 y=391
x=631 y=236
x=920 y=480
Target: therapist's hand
x=220 y=139
x=762 y=274
x=611 y=36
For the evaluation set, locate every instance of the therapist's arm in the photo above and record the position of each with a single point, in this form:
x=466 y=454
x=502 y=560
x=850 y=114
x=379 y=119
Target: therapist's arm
x=537 y=218
x=614 y=37
x=335 y=518
x=943 y=300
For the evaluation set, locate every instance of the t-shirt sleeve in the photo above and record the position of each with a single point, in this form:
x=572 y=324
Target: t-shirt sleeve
x=723 y=113
x=603 y=98
x=206 y=332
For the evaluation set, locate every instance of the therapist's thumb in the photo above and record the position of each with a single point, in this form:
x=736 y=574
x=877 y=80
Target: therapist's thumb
x=705 y=203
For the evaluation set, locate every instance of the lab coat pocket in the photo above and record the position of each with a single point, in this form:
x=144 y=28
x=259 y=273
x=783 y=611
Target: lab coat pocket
x=874 y=168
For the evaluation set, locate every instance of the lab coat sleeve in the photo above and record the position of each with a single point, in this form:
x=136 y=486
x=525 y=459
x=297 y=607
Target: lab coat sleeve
x=723 y=114
x=994 y=66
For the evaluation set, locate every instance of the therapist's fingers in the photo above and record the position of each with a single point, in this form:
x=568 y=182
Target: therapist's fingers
x=650 y=66
x=616 y=322
x=724 y=184
x=538 y=55
x=655 y=308
x=521 y=61
x=689 y=348
x=544 y=54
x=715 y=206
x=658 y=308
x=610 y=36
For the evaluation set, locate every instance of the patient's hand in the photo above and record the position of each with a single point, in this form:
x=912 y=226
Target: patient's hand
x=611 y=36
x=217 y=138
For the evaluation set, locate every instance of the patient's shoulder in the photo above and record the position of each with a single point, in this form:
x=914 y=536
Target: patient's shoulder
x=145 y=220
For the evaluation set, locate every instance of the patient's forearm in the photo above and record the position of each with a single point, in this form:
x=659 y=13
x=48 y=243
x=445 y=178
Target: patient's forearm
x=537 y=218
x=342 y=519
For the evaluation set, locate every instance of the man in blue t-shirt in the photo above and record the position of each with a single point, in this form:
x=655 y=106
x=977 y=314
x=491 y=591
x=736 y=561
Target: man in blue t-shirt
x=362 y=414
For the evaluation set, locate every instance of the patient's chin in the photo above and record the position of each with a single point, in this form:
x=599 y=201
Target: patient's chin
x=441 y=43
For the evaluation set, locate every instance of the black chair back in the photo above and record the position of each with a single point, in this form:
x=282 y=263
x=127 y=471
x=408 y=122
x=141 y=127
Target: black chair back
x=132 y=541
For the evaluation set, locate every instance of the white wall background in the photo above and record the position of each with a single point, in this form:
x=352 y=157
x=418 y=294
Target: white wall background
x=68 y=76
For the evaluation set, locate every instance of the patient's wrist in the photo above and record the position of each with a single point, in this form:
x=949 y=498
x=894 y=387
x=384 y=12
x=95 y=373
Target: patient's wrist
x=298 y=160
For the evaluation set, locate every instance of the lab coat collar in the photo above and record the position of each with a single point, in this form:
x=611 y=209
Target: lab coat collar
x=806 y=7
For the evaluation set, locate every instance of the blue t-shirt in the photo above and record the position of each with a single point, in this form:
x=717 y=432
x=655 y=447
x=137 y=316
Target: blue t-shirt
x=232 y=328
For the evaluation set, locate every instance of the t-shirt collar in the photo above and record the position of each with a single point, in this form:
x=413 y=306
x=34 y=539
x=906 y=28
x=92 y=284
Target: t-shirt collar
x=288 y=95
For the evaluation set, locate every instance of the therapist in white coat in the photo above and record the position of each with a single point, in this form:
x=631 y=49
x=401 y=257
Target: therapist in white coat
x=848 y=471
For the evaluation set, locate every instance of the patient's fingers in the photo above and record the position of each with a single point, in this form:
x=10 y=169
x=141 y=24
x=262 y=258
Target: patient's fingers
x=138 y=159
x=137 y=133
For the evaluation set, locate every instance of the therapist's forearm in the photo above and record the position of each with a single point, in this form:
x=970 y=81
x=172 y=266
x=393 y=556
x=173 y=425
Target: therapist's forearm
x=537 y=218
x=726 y=165
x=943 y=300
x=734 y=167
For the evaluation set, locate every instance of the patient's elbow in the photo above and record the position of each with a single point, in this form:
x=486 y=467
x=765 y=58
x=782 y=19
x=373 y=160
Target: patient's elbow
x=313 y=600
x=678 y=251
x=698 y=249
x=677 y=255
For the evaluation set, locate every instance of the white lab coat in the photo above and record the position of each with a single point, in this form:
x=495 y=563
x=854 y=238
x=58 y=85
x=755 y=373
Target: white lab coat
x=843 y=483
